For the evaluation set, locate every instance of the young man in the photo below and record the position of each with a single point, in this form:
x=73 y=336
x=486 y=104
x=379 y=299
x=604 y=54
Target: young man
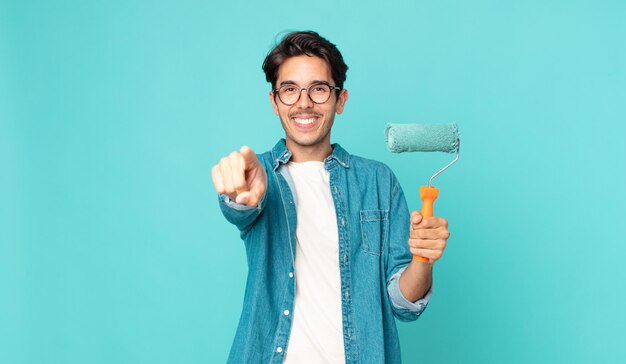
x=328 y=235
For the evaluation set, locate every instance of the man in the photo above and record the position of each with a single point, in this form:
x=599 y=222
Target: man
x=327 y=234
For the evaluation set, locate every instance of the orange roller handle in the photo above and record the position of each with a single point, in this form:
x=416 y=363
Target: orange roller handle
x=428 y=195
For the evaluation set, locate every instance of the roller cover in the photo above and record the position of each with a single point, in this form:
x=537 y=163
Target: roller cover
x=422 y=137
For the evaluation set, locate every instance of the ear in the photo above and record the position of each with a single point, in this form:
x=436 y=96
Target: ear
x=273 y=102
x=341 y=102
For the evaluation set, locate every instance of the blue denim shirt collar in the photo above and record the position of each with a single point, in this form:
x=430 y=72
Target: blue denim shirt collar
x=280 y=154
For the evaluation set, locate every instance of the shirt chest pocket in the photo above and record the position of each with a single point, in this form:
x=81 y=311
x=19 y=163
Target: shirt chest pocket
x=374 y=230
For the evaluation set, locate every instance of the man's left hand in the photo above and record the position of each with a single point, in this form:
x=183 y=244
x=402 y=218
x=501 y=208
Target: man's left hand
x=428 y=236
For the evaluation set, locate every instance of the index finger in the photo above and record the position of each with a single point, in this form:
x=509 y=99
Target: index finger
x=432 y=222
x=238 y=172
x=249 y=157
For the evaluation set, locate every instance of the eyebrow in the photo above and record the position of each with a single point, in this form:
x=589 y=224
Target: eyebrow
x=315 y=82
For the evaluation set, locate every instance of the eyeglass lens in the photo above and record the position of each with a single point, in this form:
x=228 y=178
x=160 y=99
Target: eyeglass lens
x=290 y=94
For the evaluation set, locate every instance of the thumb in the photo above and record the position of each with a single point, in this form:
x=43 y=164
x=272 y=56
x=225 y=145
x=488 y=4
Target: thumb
x=250 y=198
x=243 y=198
x=416 y=218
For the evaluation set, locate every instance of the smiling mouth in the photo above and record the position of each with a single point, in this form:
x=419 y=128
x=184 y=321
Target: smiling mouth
x=305 y=120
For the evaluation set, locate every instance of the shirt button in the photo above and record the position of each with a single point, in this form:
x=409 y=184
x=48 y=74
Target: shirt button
x=279 y=349
x=286 y=312
x=290 y=274
x=343 y=222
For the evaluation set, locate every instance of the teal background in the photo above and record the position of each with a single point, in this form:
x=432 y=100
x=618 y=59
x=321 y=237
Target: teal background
x=112 y=246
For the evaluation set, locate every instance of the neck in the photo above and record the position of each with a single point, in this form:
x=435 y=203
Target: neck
x=300 y=153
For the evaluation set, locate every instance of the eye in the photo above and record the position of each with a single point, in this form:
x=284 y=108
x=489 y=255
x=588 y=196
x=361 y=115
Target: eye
x=320 y=89
x=289 y=89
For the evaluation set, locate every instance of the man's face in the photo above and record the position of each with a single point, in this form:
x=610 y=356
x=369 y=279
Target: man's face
x=307 y=124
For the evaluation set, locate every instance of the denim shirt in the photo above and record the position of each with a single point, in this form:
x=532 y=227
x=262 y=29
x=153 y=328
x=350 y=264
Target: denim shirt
x=373 y=227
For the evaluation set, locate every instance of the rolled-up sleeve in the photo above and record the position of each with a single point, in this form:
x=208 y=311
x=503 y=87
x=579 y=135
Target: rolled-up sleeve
x=399 y=256
x=404 y=309
x=242 y=216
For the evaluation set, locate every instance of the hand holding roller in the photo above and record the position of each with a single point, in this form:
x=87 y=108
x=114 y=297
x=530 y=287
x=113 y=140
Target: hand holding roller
x=424 y=138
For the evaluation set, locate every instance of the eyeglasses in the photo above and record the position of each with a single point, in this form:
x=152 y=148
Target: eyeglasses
x=319 y=93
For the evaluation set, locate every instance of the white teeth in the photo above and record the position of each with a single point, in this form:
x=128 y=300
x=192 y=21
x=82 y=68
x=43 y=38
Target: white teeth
x=304 y=121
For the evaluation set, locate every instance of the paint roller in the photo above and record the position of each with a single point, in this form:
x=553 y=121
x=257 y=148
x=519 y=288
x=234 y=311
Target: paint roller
x=424 y=138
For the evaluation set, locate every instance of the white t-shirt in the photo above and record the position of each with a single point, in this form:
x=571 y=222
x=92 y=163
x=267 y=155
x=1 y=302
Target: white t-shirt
x=317 y=328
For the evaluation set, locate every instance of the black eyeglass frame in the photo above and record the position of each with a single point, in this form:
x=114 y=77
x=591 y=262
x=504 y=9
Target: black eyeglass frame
x=332 y=88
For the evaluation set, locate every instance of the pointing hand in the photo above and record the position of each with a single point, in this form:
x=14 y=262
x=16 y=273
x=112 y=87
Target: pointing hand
x=240 y=176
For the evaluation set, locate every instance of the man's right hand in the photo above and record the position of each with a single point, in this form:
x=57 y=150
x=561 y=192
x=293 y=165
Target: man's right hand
x=240 y=176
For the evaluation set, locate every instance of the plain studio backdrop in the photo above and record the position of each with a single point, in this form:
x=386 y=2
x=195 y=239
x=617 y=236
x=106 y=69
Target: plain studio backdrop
x=112 y=246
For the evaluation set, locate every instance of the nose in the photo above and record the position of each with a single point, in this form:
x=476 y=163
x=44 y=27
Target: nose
x=304 y=102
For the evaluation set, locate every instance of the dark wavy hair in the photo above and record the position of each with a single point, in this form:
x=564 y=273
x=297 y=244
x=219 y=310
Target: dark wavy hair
x=305 y=43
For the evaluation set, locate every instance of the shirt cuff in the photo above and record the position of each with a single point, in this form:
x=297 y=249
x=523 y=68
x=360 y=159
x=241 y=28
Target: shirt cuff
x=398 y=299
